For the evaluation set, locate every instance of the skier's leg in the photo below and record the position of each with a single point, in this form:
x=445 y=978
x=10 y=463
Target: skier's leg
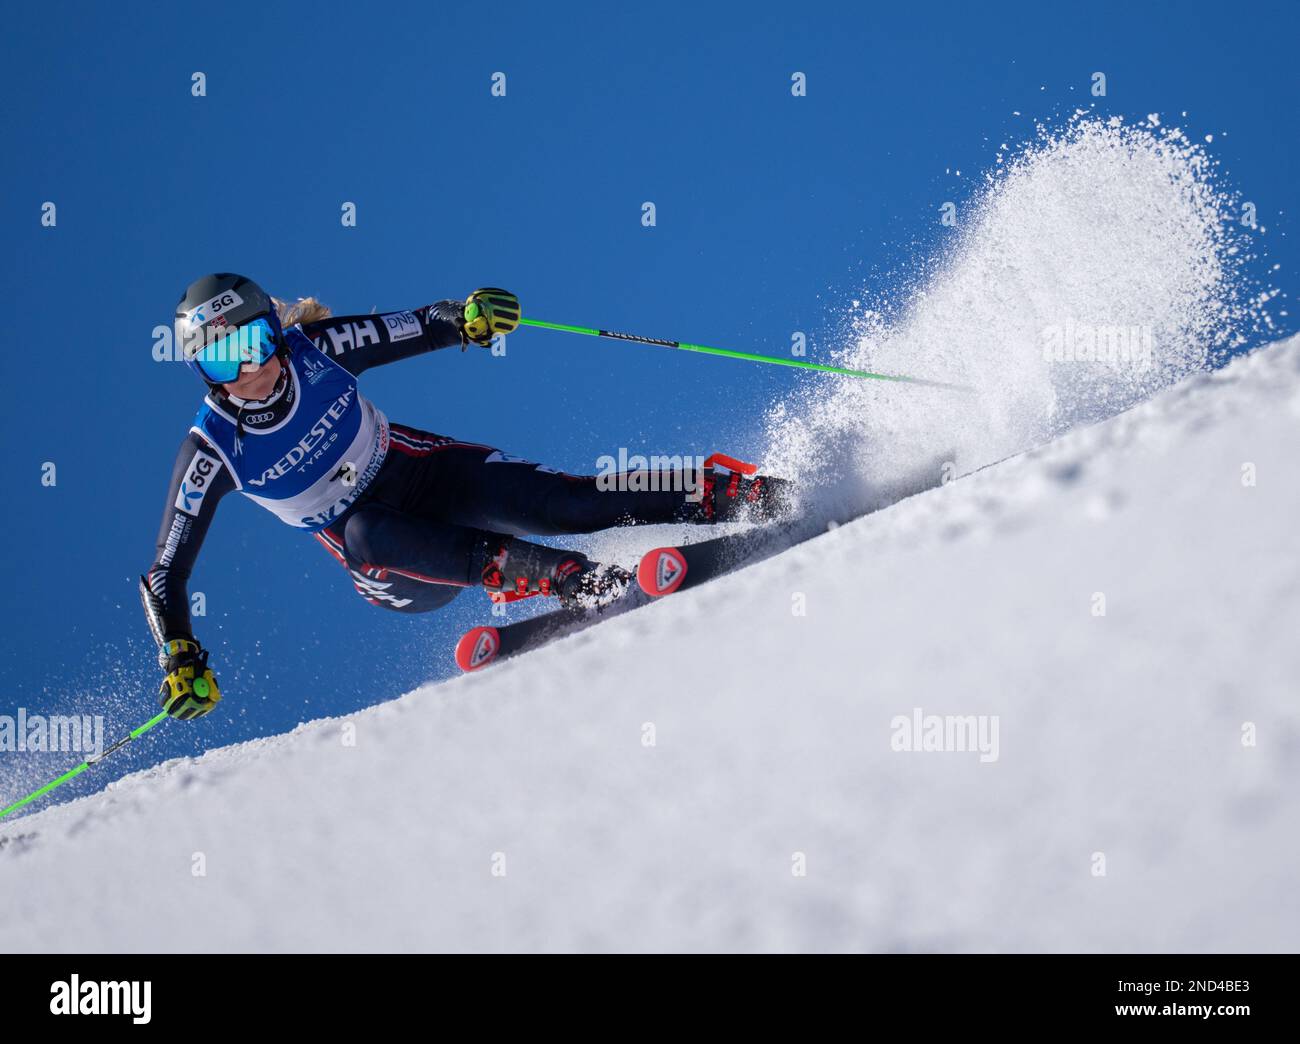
x=436 y=497
x=402 y=563
x=413 y=564
x=483 y=488
x=491 y=490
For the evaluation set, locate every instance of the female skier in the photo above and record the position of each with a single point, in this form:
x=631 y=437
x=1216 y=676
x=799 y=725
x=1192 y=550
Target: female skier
x=412 y=516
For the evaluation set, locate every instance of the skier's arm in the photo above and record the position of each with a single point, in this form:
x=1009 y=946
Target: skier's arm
x=199 y=481
x=358 y=342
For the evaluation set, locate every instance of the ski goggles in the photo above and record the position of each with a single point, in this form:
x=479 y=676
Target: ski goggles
x=220 y=361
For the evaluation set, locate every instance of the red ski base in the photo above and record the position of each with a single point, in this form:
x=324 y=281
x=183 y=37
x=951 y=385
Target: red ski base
x=661 y=571
x=477 y=648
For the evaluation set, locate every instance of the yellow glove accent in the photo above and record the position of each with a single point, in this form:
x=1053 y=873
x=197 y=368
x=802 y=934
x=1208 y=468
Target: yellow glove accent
x=190 y=689
x=488 y=312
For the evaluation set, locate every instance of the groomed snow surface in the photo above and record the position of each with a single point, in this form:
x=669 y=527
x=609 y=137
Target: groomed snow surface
x=523 y=809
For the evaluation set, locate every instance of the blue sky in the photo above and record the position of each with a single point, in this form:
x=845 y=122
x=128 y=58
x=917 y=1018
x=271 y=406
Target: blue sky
x=773 y=212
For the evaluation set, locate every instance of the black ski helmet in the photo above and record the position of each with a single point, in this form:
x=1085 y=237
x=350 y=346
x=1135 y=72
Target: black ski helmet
x=217 y=305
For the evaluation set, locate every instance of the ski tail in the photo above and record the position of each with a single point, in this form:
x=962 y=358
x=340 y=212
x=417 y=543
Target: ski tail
x=478 y=647
x=662 y=571
x=668 y=569
x=481 y=646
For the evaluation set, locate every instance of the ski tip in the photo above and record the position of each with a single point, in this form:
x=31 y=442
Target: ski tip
x=477 y=648
x=661 y=571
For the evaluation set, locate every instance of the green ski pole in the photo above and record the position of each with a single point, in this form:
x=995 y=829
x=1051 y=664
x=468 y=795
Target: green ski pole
x=73 y=773
x=747 y=356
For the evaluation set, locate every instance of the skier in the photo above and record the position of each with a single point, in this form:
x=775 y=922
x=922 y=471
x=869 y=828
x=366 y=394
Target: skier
x=412 y=516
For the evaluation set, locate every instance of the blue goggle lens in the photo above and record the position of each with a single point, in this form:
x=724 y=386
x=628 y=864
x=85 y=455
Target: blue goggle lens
x=221 y=360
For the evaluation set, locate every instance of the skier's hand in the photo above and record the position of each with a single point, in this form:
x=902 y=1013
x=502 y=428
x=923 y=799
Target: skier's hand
x=488 y=312
x=190 y=690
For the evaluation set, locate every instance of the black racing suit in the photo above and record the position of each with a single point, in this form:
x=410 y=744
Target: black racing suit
x=434 y=514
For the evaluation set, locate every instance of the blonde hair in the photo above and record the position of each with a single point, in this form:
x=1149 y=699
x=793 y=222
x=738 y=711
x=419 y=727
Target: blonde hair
x=303 y=310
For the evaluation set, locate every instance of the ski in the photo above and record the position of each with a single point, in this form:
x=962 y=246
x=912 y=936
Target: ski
x=666 y=570
x=480 y=646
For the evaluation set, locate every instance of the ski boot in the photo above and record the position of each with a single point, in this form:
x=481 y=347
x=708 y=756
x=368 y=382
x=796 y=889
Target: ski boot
x=736 y=493
x=516 y=569
x=593 y=586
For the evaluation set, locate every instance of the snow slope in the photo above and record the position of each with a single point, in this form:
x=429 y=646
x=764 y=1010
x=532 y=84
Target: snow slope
x=1118 y=734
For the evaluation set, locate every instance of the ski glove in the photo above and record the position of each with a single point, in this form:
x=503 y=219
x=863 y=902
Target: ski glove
x=190 y=690
x=488 y=312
